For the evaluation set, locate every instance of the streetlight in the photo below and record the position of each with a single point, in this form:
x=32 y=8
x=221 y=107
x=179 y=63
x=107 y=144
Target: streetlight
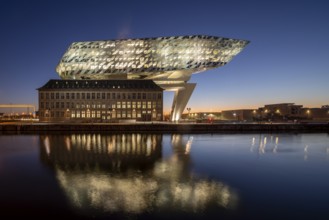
x=188 y=110
x=308 y=112
x=235 y=116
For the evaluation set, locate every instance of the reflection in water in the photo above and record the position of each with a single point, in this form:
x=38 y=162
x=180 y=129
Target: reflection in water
x=126 y=173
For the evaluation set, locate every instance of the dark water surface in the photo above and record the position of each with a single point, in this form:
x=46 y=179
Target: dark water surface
x=155 y=176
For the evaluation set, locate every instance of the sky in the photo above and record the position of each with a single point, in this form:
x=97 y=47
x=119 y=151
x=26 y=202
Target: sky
x=287 y=59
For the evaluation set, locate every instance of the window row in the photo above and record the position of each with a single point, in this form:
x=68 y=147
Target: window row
x=101 y=114
x=115 y=105
x=99 y=95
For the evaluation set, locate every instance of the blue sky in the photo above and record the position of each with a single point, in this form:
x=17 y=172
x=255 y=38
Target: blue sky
x=287 y=59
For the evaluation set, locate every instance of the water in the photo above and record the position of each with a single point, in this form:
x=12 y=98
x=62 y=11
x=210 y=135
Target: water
x=147 y=176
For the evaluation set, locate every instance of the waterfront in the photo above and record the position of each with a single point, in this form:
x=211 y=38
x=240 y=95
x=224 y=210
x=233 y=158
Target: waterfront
x=139 y=175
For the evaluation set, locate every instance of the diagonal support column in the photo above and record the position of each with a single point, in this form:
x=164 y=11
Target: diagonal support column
x=182 y=95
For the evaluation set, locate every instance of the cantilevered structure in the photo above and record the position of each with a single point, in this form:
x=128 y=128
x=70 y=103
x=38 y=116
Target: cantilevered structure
x=168 y=61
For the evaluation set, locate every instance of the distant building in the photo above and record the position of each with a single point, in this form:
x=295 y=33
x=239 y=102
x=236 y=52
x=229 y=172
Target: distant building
x=100 y=101
x=279 y=112
x=238 y=115
x=316 y=114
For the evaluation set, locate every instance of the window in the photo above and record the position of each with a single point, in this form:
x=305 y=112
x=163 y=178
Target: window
x=78 y=95
x=52 y=95
x=62 y=95
x=159 y=95
x=138 y=104
x=113 y=95
x=128 y=104
x=138 y=96
x=57 y=95
x=93 y=95
x=129 y=96
x=118 y=104
x=98 y=114
x=67 y=95
x=103 y=95
x=62 y=104
x=83 y=96
x=108 y=95
x=41 y=95
x=133 y=104
x=134 y=95
x=41 y=104
x=118 y=96
x=68 y=105
x=154 y=96
x=88 y=95
x=144 y=95
x=83 y=114
x=57 y=104
x=72 y=95
x=123 y=104
x=47 y=95
x=123 y=95
x=78 y=114
x=144 y=105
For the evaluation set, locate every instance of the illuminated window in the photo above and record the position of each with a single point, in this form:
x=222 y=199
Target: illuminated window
x=144 y=105
x=123 y=104
x=118 y=104
x=93 y=114
x=98 y=114
x=138 y=104
x=128 y=104
x=83 y=114
x=133 y=104
x=78 y=114
x=149 y=104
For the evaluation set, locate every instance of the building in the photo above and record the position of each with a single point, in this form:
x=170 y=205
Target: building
x=100 y=101
x=238 y=115
x=316 y=114
x=279 y=112
x=168 y=61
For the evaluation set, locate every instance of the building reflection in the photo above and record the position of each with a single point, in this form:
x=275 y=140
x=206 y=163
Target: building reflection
x=126 y=173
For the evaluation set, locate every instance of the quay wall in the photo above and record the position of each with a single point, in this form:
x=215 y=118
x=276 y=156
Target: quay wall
x=164 y=128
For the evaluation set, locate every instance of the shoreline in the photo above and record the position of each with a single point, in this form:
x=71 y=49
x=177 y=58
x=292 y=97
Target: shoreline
x=161 y=127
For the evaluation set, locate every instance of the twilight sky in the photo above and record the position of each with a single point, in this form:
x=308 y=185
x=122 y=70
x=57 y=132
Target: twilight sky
x=287 y=59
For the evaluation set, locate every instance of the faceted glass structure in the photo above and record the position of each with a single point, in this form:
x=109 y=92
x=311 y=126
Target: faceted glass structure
x=168 y=61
